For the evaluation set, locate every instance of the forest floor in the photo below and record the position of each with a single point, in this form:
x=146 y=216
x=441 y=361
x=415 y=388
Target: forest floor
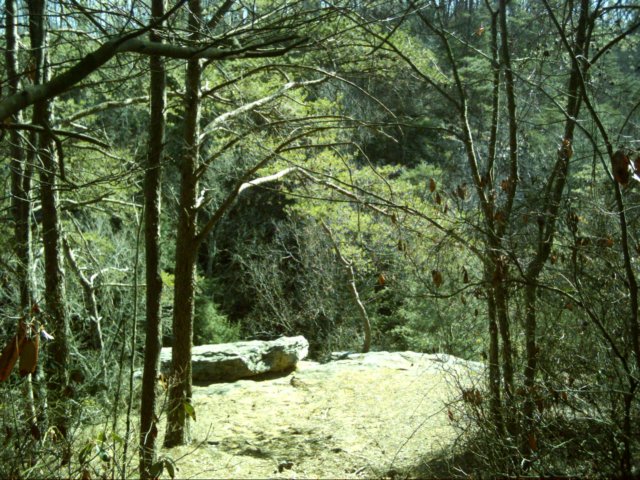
x=369 y=416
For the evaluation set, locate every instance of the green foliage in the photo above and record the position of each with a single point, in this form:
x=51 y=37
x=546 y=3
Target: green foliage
x=209 y=325
x=212 y=327
x=371 y=139
x=163 y=464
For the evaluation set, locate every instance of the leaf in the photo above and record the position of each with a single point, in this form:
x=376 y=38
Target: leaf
x=432 y=185
x=35 y=431
x=472 y=396
x=438 y=199
x=84 y=453
x=9 y=356
x=156 y=469
x=29 y=355
x=164 y=383
x=465 y=275
x=117 y=438
x=436 y=275
x=606 y=242
x=533 y=442
x=189 y=410
x=170 y=466
x=620 y=167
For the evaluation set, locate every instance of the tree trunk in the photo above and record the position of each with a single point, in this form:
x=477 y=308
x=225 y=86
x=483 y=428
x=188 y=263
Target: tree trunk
x=500 y=294
x=495 y=404
x=21 y=174
x=186 y=253
x=554 y=188
x=152 y=193
x=57 y=364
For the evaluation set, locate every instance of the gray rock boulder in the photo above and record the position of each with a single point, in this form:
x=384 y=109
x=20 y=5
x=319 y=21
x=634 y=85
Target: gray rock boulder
x=228 y=362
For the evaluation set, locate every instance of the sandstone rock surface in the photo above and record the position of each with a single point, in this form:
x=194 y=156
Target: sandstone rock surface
x=228 y=362
x=374 y=415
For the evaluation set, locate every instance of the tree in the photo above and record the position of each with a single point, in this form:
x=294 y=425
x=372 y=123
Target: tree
x=186 y=248
x=506 y=182
x=57 y=367
x=152 y=211
x=286 y=33
x=477 y=179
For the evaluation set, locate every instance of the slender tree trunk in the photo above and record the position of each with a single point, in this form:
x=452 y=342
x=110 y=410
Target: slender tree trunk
x=493 y=357
x=501 y=289
x=495 y=215
x=186 y=253
x=366 y=323
x=495 y=403
x=498 y=296
x=626 y=462
x=554 y=192
x=152 y=211
x=57 y=363
x=21 y=174
x=502 y=311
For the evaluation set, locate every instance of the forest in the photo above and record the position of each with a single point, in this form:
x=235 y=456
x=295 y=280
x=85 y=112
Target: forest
x=437 y=176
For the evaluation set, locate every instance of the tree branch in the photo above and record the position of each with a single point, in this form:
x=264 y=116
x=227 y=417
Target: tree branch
x=65 y=133
x=81 y=70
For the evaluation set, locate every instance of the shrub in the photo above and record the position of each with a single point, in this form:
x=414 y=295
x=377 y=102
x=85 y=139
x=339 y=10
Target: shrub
x=210 y=326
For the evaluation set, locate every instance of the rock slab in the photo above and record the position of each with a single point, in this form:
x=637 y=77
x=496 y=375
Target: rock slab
x=228 y=362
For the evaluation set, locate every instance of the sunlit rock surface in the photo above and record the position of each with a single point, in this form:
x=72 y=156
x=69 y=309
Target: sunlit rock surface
x=227 y=362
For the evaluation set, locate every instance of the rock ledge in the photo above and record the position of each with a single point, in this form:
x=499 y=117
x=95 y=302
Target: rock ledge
x=228 y=362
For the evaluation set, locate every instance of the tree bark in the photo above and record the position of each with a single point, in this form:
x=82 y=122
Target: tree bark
x=152 y=211
x=20 y=171
x=57 y=364
x=493 y=358
x=186 y=252
x=21 y=176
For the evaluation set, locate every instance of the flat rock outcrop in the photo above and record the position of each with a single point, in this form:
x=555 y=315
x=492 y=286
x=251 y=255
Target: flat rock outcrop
x=228 y=362
x=374 y=415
